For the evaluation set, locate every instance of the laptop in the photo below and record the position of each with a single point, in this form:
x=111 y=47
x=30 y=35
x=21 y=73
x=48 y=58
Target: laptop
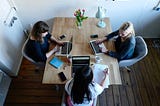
x=65 y=49
x=79 y=62
x=97 y=48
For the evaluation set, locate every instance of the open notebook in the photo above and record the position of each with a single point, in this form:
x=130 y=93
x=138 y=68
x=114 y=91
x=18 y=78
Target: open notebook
x=65 y=49
x=99 y=75
x=97 y=48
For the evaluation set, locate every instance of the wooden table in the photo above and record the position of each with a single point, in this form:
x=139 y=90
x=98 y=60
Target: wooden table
x=81 y=37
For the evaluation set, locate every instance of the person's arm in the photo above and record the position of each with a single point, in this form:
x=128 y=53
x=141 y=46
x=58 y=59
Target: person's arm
x=111 y=35
x=128 y=46
x=55 y=40
x=107 y=37
x=98 y=88
x=52 y=51
x=105 y=76
x=68 y=86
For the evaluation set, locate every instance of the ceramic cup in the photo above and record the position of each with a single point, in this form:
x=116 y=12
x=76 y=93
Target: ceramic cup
x=98 y=59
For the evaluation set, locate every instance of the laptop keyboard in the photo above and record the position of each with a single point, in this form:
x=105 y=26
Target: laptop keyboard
x=64 y=48
x=97 y=48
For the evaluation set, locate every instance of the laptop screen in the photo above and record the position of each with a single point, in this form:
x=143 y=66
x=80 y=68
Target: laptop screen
x=79 y=62
x=65 y=49
x=97 y=48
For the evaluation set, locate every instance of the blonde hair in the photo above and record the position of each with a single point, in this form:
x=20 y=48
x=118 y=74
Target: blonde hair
x=127 y=26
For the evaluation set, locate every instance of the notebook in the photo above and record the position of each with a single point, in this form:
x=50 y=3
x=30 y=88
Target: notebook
x=97 y=48
x=65 y=49
x=98 y=74
x=79 y=62
x=56 y=62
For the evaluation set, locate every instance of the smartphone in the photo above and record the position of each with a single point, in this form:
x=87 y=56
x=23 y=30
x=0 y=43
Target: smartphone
x=62 y=37
x=94 y=36
x=62 y=76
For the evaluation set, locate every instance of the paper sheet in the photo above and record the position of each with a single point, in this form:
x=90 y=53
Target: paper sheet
x=99 y=75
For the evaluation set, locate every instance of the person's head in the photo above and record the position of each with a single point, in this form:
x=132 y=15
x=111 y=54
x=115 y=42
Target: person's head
x=38 y=29
x=126 y=30
x=82 y=79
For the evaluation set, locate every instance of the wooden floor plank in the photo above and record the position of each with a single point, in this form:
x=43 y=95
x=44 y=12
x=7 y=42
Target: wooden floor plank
x=135 y=88
x=123 y=95
x=109 y=96
x=116 y=96
x=128 y=88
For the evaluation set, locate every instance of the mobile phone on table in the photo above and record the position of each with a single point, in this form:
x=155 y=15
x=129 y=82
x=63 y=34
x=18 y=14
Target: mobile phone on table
x=62 y=37
x=62 y=76
x=94 y=36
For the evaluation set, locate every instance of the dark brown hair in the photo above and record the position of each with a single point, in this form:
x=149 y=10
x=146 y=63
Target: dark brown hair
x=39 y=28
x=80 y=87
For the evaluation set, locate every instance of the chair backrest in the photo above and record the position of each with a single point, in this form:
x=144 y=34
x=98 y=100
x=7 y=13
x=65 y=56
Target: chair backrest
x=40 y=64
x=139 y=53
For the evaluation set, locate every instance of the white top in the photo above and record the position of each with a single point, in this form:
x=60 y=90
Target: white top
x=95 y=89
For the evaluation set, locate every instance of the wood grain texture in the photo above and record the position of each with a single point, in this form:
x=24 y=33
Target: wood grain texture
x=80 y=46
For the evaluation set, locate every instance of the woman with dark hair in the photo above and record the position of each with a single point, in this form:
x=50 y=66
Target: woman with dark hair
x=37 y=46
x=82 y=89
x=124 y=43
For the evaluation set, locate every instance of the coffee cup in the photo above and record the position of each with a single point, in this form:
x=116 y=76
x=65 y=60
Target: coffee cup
x=98 y=59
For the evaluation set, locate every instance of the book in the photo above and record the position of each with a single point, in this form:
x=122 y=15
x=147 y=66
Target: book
x=56 y=62
x=99 y=75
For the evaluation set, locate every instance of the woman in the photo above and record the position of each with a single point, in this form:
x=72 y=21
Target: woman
x=37 y=46
x=124 y=44
x=82 y=89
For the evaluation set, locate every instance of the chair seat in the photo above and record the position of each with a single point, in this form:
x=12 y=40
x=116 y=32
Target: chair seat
x=139 y=53
x=37 y=64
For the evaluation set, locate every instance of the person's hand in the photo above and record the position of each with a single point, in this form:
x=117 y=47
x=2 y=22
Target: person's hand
x=98 y=41
x=60 y=43
x=105 y=71
x=105 y=51
x=56 y=48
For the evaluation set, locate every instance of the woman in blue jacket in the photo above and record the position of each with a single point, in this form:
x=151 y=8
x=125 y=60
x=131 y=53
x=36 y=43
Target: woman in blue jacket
x=124 y=43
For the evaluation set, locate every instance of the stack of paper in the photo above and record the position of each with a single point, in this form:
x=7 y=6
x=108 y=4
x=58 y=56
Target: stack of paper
x=99 y=74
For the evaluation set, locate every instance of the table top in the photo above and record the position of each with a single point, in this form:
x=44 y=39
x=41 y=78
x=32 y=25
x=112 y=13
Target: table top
x=80 y=46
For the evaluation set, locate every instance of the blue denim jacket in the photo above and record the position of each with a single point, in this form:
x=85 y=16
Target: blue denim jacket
x=124 y=50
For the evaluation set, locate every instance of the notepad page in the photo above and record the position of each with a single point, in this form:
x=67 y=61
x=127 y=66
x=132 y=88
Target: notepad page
x=99 y=75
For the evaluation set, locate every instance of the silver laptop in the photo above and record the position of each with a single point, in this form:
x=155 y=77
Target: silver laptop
x=65 y=49
x=97 y=48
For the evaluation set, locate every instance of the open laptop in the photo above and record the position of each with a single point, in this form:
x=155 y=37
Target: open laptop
x=97 y=48
x=65 y=49
x=79 y=62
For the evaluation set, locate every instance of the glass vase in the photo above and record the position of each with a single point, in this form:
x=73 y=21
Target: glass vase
x=79 y=24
